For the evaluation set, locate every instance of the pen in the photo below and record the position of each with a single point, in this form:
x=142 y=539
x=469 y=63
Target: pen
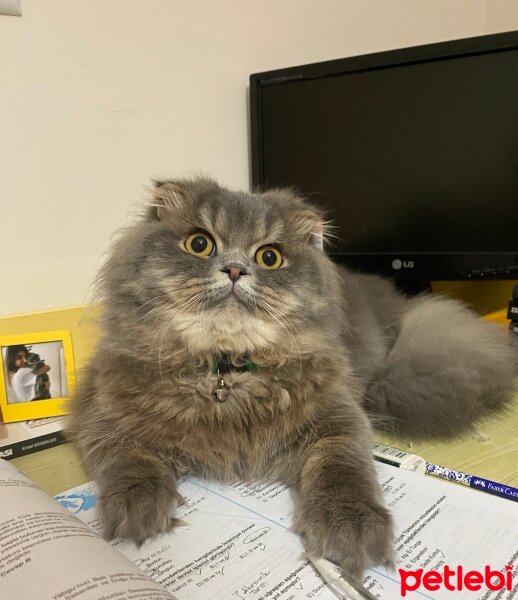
x=411 y=462
x=479 y=483
x=343 y=586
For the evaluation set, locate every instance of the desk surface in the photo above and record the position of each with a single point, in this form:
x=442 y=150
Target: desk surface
x=58 y=469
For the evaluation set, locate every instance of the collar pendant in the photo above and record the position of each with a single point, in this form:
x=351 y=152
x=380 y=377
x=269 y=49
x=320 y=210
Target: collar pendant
x=221 y=391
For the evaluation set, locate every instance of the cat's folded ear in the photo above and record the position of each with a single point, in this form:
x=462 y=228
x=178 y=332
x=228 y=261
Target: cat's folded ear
x=311 y=225
x=307 y=220
x=171 y=197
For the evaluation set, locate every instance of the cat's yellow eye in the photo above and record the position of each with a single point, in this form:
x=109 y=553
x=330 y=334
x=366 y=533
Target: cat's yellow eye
x=268 y=257
x=200 y=244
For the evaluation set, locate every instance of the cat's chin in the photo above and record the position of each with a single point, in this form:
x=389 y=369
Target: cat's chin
x=228 y=328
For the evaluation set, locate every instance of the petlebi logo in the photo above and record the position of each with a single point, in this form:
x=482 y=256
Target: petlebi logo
x=457 y=579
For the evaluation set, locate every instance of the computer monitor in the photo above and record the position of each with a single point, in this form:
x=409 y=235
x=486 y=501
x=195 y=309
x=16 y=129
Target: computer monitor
x=413 y=154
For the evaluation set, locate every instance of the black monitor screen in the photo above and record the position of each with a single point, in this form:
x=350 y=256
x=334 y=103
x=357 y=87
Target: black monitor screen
x=413 y=157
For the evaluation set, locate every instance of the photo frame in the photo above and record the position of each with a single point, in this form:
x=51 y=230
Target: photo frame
x=37 y=375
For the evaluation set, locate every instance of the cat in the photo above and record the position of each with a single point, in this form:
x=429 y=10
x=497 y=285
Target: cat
x=234 y=348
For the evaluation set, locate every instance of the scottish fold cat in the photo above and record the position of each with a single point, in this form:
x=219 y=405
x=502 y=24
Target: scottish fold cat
x=234 y=348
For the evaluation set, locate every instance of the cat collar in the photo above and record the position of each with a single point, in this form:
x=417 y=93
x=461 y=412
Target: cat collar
x=224 y=365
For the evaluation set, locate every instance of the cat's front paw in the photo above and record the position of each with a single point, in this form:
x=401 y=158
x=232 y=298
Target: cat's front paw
x=351 y=533
x=138 y=511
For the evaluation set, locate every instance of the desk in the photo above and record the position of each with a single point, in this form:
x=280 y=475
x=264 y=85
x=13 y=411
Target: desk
x=59 y=468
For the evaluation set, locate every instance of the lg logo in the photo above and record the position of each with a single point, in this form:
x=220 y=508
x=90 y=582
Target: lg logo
x=402 y=264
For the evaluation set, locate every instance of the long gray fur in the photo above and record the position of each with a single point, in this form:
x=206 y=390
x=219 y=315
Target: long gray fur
x=335 y=352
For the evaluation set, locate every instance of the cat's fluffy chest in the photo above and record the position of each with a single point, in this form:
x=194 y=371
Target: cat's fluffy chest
x=250 y=436
x=263 y=427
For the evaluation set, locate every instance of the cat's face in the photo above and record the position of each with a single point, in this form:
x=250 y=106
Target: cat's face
x=228 y=271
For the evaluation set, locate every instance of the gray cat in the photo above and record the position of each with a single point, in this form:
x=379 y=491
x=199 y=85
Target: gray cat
x=234 y=348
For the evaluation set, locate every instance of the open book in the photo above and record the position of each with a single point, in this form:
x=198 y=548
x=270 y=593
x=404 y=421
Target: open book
x=236 y=544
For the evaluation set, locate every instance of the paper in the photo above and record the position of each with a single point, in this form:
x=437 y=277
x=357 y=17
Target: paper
x=237 y=543
x=11 y=7
x=46 y=553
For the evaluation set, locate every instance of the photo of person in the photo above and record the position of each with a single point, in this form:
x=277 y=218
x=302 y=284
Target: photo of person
x=34 y=372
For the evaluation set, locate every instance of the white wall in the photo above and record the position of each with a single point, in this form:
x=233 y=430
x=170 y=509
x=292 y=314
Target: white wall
x=98 y=97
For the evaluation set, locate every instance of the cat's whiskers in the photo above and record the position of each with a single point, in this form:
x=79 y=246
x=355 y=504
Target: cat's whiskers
x=164 y=307
x=273 y=304
x=280 y=314
x=265 y=294
x=193 y=301
x=284 y=318
x=264 y=306
x=162 y=331
x=152 y=300
x=190 y=302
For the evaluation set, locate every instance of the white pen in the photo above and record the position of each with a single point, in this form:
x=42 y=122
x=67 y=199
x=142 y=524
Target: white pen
x=342 y=585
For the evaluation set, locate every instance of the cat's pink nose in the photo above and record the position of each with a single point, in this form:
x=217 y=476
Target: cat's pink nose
x=234 y=271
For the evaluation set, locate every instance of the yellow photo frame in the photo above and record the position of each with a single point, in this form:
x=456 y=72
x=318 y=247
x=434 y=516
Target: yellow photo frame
x=37 y=375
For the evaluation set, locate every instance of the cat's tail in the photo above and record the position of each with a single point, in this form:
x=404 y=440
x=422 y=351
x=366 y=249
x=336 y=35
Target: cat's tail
x=446 y=370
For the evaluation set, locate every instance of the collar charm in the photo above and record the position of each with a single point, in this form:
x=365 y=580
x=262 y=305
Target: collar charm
x=221 y=391
x=224 y=365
